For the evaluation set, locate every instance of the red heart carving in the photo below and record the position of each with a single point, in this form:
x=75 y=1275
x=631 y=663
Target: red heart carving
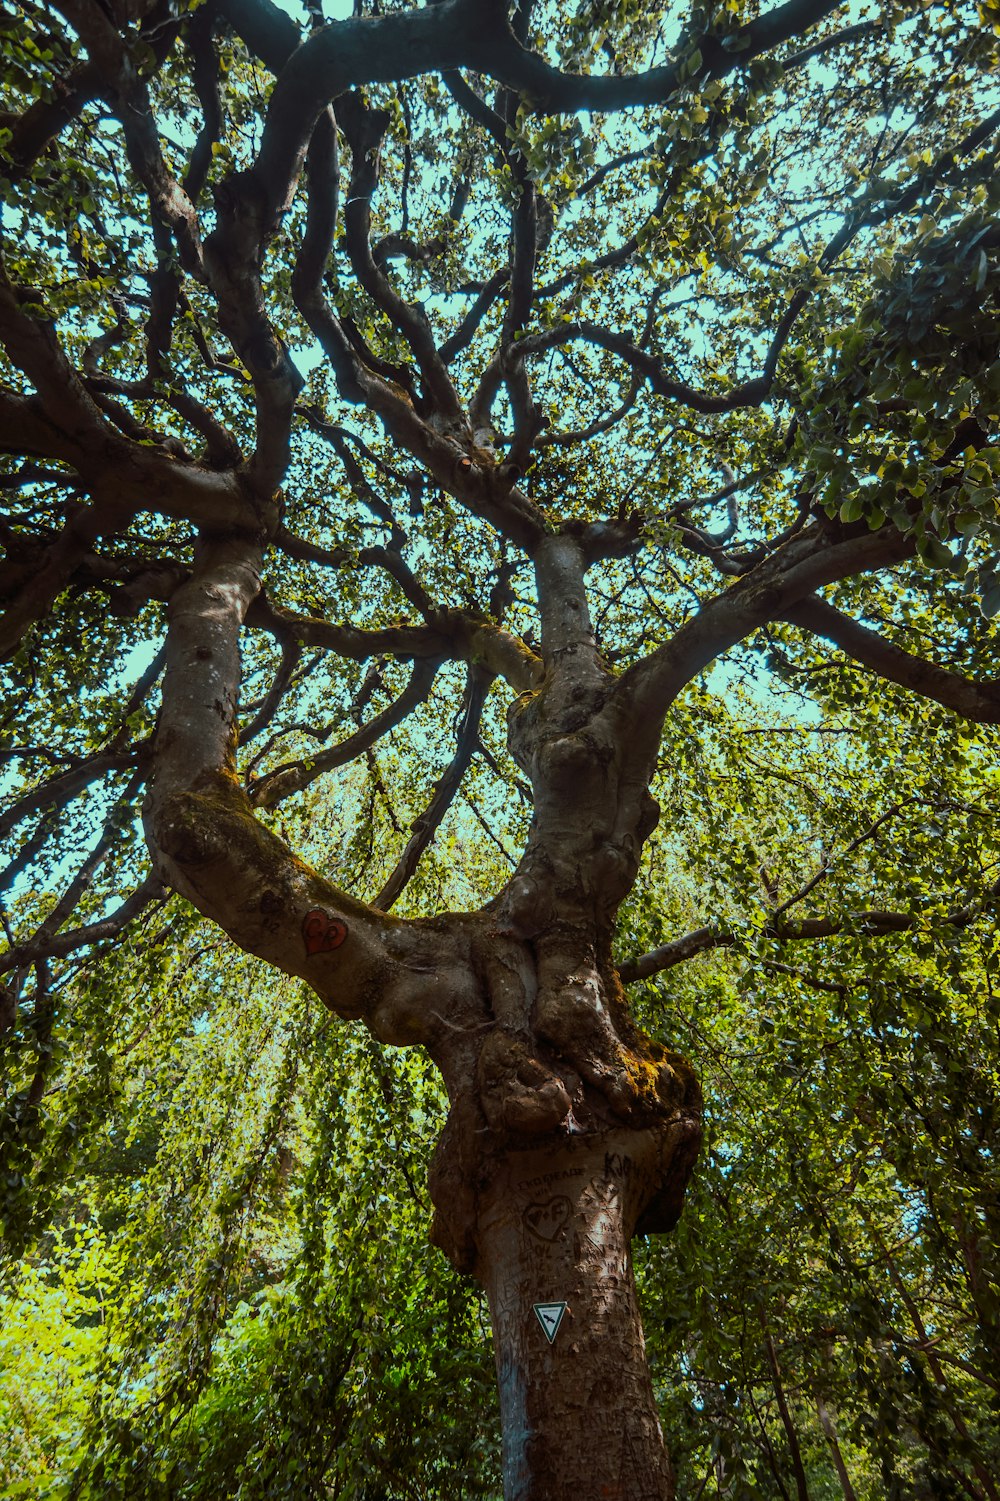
x=322 y=932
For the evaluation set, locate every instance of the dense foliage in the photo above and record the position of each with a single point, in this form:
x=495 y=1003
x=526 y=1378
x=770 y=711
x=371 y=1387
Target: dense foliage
x=700 y=286
x=246 y=1222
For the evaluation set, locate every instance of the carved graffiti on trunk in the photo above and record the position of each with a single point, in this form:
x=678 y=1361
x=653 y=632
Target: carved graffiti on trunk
x=547 y=1219
x=322 y=933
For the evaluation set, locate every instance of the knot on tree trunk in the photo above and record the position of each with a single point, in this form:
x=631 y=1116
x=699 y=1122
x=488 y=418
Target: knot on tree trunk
x=520 y=1096
x=559 y=1070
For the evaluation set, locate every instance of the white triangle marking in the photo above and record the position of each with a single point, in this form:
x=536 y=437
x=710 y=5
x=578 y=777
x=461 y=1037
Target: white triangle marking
x=550 y=1316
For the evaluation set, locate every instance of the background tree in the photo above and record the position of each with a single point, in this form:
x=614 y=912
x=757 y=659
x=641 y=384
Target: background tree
x=467 y=410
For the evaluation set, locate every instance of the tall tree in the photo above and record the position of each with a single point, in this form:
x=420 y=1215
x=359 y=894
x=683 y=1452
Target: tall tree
x=469 y=400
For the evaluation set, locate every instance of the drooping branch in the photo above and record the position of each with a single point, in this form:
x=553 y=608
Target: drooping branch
x=829 y=863
x=778 y=928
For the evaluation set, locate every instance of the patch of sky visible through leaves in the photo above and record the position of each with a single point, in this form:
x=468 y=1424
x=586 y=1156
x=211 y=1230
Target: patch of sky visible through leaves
x=726 y=676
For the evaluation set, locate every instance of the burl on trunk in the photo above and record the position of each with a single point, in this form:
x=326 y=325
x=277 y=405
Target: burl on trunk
x=542 y=1214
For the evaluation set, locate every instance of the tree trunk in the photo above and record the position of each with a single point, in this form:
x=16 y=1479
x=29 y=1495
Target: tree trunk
x=568 y=1129
x=578 y=1413
x=798 y=1468
x=830 y=1429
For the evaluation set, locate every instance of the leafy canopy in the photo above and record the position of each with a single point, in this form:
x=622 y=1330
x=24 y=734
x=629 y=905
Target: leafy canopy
x=700 y=286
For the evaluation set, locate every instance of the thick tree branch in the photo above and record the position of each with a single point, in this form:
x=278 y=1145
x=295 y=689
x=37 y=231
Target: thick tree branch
x=460 y=635
x=816 y=556
x=860 y=924
x=498 y=54
x=126 y=94
x=29 y=337
x=43 y=120
x=205 y=77
x=365 y=129
x=978 y=701
x=208 y=845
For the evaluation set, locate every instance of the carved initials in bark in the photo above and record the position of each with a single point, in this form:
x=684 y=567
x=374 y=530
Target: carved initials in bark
x=322 y=933
x=546 y=1220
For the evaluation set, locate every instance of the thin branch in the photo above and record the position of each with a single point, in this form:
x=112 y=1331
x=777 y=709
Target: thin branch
x=292 y=777
x=58 y=945
x=827 y=864
x=477 y=686
x=291 y=655
x=62 y=789
x=860 y=924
